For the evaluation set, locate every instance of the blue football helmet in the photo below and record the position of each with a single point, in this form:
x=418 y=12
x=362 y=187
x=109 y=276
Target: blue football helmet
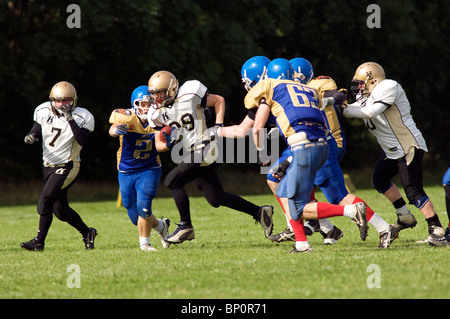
x=303 y=69
x=140 y=101
x=253 y=70
x=280 y=69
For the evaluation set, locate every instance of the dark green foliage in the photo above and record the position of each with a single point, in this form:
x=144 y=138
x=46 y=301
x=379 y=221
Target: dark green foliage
x=121 y=43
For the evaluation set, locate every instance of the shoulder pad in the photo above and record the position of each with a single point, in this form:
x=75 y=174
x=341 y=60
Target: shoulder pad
x=192 y=87
x=323 y=83
x=120 y=116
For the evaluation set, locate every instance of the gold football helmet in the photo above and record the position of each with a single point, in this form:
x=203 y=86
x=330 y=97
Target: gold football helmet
x=63 y=91
x=366 y=78
x=162 y=88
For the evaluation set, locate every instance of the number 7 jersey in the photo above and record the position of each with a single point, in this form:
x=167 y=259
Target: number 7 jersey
x=58 y=142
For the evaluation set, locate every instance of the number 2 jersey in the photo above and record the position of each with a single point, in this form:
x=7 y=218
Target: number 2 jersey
x=58 y=142
x=137 y=151
x=295 y=106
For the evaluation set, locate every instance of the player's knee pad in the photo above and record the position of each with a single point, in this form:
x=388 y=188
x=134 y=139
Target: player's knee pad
x=144 y=208
x=380 y=183
x=420 y=203
x=45 y=206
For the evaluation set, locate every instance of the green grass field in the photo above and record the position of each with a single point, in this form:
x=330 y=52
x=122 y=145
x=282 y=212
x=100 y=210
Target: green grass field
x=229 y=258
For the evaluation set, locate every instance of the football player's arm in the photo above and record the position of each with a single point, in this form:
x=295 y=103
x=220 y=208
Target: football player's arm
x=238 y=131
x=161 y=145
x=218 y=102
x=260 y=121
x=118 y=129
x=338 y=96
x=370 y=110
x=81 y=134
x=34 y=134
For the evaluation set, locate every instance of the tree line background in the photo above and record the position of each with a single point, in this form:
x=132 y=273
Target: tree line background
x=121 y=43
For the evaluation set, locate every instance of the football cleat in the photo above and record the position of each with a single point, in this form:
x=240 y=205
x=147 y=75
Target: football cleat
x=360 y=219
x=311 y=226
x=440 y=241
x=33 y=244
x=286 y=235
x=265 y=218
x=405 y=221
x=309 y=249
x=165 y=232
x=148 y=247
x=89 y=239
x=332 y=236
x=388 y=237
x=182 y=233
x=433 y=232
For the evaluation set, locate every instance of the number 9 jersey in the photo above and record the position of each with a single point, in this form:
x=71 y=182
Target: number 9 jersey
x=186 y=113
x=58 y=142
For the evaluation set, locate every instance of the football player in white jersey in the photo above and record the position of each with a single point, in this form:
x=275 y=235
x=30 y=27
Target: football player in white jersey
x=63 y=128
x=386 y=111
x=182 y=109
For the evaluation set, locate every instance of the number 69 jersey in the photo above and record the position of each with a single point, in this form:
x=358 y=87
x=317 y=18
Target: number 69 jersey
x=58 y=142
x=295 y=106
x=187 y=113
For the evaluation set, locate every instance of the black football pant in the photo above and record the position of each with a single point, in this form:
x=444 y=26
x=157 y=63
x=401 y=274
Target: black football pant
x=206 y=180
x=56 y=182
x=410 y=175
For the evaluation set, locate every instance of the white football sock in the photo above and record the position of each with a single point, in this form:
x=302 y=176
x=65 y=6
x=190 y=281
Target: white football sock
x=403 y=211
x=160 y=226
x=144 y=240
x=379 y=223
x=301 y=245
x=350 y=211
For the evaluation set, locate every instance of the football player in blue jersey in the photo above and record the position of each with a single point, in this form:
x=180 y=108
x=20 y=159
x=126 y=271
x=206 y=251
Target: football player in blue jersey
x=252 y=71
x=329 y=177
x=297 y=109
x=139 y=167
x=445 y=240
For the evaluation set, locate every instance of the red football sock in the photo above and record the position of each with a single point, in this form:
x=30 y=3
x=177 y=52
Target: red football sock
x=325 y=210
x=313 y=196
x=369 y=211
x=279 y=202
x=299 y=229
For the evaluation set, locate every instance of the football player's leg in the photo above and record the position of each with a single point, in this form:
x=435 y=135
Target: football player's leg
x=412 y=181
x=384 y=170
x=446 y=184
x=129 y=196
x=146 y=189
x=332 y=183
x=175 y=180
x=211 y=187
x=273 y=182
